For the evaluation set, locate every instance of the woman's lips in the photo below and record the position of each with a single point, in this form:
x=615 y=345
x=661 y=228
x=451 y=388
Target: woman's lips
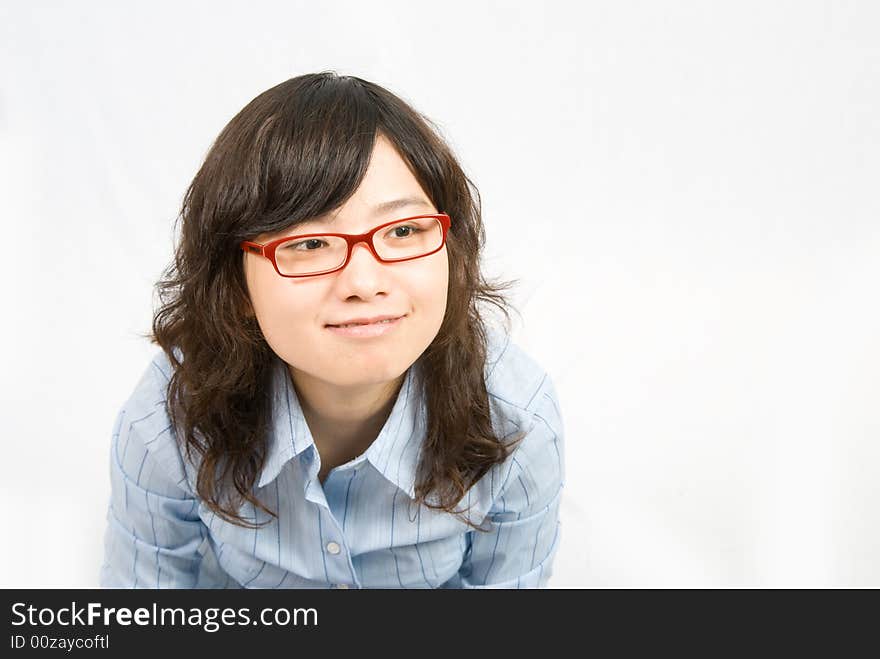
x=367 y=331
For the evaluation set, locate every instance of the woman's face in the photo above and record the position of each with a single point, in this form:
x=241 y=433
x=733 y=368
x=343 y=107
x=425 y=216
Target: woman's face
x=293 y=313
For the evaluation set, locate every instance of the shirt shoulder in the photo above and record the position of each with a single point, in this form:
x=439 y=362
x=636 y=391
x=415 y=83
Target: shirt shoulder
x=512 y=375
x=145 y=426
x=522 y=402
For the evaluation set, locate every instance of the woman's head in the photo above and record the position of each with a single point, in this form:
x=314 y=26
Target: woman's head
x=319 y=147
x=317 y=153
x=295 y=312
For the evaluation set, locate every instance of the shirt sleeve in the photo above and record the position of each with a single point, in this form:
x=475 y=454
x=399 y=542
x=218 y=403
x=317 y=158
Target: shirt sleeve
x=519 y=550
x=154 y=533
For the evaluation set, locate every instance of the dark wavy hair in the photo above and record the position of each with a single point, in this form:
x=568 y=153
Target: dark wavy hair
x=296 y=151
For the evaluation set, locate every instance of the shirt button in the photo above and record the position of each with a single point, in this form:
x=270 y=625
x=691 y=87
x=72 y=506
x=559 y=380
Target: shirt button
x=332 y=547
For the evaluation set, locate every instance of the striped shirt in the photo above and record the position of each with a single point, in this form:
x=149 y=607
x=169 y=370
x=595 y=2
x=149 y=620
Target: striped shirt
x=360 y=528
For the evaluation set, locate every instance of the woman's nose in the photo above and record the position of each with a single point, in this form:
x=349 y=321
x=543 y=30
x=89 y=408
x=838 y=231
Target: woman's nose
x=363 y=268
x=362 y=251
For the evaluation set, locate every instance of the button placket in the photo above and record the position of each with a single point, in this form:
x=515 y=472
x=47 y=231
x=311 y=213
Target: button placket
x=335 y=548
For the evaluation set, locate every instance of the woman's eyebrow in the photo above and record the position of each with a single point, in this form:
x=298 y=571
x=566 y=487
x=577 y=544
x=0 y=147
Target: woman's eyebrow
x=378 y=209
x=394 y=204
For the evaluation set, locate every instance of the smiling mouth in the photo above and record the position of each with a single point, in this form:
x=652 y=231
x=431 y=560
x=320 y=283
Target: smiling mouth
x=368 y=330
x=380 y=322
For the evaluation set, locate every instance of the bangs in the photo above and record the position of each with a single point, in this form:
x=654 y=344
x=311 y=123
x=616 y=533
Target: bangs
x=309 y=153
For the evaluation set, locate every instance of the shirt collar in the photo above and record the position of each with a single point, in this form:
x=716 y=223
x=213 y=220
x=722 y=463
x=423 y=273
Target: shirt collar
x=394 y=452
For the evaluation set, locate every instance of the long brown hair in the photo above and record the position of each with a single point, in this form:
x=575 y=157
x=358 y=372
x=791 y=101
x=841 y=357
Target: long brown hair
x=298 y=150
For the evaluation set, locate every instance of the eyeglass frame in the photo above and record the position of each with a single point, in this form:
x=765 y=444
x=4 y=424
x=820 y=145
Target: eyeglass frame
x=267 y=250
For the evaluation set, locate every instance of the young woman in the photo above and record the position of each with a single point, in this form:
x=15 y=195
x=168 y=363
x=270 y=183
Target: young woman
x=328 y=408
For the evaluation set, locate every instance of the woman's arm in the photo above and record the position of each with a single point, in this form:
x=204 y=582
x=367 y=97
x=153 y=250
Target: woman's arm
x=153 y=528
x=154 y=536
x=520 y=549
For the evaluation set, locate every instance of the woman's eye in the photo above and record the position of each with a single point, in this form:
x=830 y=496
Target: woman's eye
x=406 y=229
x=312 y=244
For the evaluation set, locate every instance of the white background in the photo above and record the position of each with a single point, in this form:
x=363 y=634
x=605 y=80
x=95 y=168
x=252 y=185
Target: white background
x=699 y=184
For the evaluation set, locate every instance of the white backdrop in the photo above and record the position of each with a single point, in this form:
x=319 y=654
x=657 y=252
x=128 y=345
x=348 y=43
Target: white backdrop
x=699 y=184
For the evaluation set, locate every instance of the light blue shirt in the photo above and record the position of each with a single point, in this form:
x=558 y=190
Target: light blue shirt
x=361 y=527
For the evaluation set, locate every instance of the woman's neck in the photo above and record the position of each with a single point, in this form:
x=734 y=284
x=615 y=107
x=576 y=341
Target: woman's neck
x=344 y=421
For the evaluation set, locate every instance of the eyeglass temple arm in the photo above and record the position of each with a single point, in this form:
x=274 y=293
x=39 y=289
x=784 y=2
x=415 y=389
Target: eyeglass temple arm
x=248 y=246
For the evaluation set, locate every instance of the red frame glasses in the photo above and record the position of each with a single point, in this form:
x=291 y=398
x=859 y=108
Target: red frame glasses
x=267 y=250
